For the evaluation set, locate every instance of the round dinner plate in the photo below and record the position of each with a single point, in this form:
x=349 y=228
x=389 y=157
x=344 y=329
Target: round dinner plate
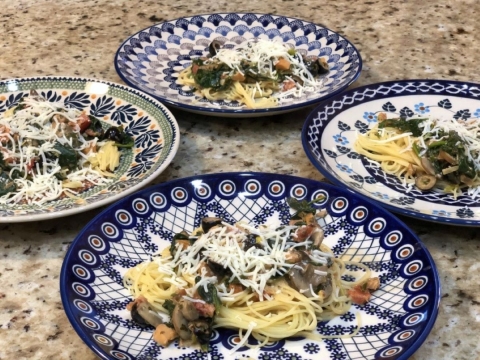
x=330 y=132
x=392 y=325
x=151 y=125
x=151 y=59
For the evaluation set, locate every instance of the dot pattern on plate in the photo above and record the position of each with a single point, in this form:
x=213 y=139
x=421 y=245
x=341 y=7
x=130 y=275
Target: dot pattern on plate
x=394 y=319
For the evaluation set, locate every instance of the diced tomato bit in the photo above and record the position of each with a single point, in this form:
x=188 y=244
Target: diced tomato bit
x=83 y=122
x=30 y=165
x=204 y=309
x=237 y=288
x=195 y=68
x=138 y=300
x=303 y=233
x=358 y=295
x=287 y=85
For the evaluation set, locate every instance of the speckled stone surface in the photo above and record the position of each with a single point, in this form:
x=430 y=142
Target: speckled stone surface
x=398 y=39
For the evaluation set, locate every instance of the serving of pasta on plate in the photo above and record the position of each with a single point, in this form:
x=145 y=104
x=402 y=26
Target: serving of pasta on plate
x=270 y=282
x=257 y=73
x=431 y=153
x=49 y=151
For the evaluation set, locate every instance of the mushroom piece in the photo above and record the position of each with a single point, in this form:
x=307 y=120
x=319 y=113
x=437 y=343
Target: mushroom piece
x=297 y=79
x=188 y=310
x=202 y=330
x=218 y=269
x=214 y=46
x=443 y=155
x=318 y=66
x=293 y=256
x=210 y=222
x=317 y=237
x=180 y=324
x=427 y=166
x=466 y=180
x=143 y=314
x=304 y=274
x=425 y=182
x=323 y=67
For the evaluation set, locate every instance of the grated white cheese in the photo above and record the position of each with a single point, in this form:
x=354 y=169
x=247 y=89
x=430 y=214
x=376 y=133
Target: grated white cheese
x=20 y=136
x=265 y=54
x=224 y=246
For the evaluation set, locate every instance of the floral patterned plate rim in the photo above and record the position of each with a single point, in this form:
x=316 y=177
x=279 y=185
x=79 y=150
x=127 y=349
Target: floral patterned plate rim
x=150 y=123
x=149 y=59
x=394 y=323
x=330 y=131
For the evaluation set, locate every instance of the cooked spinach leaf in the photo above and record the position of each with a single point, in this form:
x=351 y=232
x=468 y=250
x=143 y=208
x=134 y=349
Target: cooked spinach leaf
x=210 y=296
x=411 y=125
x=6 y=184
x=67 y=156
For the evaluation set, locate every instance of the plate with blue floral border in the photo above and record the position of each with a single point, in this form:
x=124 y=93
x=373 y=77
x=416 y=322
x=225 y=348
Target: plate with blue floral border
x=393 y=324
x=330 y=131
x=151 y=59
x=147 y=121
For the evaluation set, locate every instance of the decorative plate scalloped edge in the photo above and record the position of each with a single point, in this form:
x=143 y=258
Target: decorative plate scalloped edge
x=330 y=131
x=393 y=324
x=150 y=123
x=149 y=59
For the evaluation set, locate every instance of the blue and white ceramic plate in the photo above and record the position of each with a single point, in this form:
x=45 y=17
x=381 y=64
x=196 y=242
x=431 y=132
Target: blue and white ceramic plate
x=393 y=325
x=151 y=59
x=331 y=129
x=151 y=124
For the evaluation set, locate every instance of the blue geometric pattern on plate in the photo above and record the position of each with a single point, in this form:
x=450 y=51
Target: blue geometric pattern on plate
x=151 y=59
x=393 y=324
x=150 y=124
x=330 y=132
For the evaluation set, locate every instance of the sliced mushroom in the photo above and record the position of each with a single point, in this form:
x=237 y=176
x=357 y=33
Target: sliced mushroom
x=443 y=155
x=202 y=331
x=214 y=46
x=466 y=180
x=188 y=310
x=297 y=79
x=317 y=237
x=427 y=166
x=143 y=314
x=218 y=269
x=323 y=67
x=327 y=287
x=293 y=256
x=210 y=222
x=180 y=324
x=425 y=182
x=304 y=274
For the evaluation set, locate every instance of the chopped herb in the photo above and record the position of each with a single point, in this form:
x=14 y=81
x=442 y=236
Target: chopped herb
x=169 y=305
x=180 y=236
x=67 y=156
x=210 y=296
x=404 y=125
x=304 y=206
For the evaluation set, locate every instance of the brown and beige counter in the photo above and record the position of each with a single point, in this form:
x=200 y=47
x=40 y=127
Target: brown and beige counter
x=397 y=39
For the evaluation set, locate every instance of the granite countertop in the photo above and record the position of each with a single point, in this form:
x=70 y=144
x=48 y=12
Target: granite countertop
x=397 y=39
